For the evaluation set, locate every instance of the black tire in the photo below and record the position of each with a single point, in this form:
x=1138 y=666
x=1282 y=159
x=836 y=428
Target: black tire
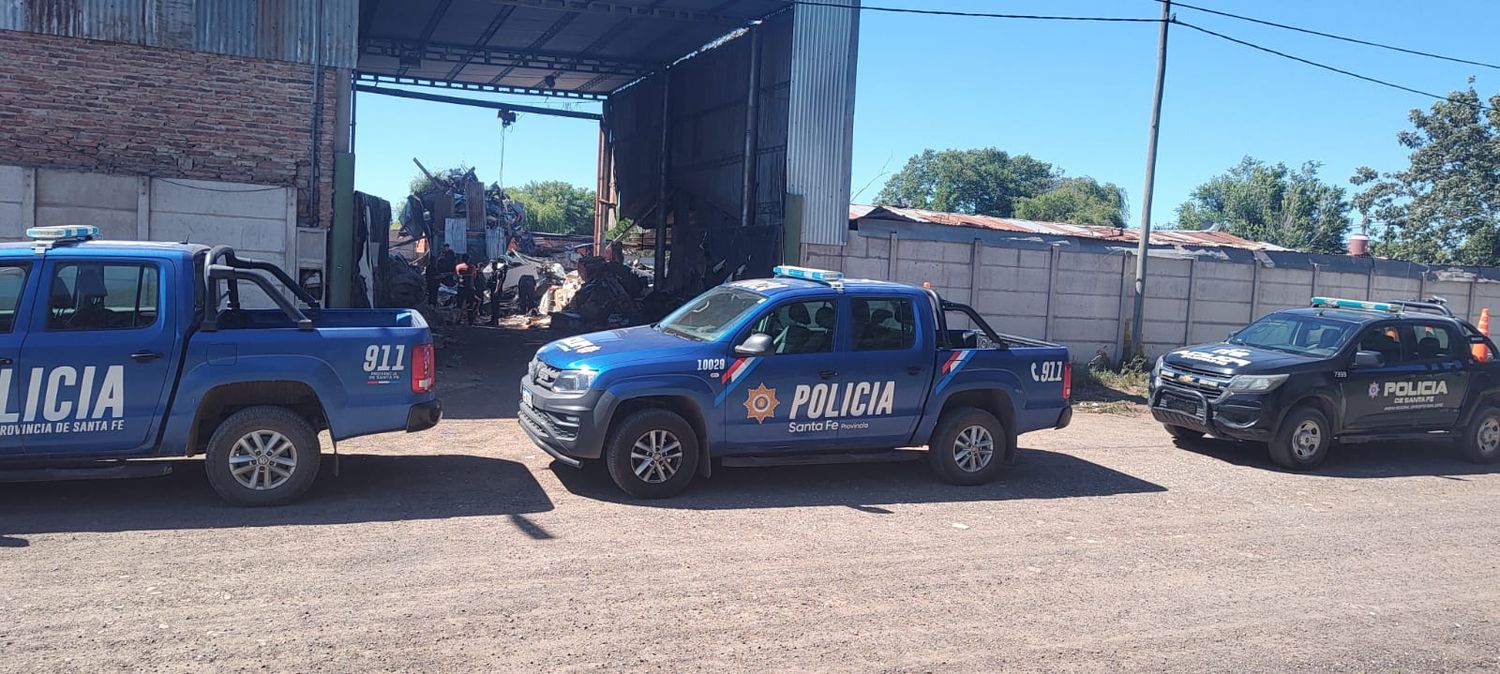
x=259 y=427
x=1181 y=433
x=946 y=455
x=648 y=428
x=1302 y=441
x=1481 y=444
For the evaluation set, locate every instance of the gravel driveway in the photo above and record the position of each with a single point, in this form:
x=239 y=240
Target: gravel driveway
x=1105 y=548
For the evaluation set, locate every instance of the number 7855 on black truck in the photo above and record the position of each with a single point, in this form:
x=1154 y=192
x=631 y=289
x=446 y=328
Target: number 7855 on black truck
x=1342 y=371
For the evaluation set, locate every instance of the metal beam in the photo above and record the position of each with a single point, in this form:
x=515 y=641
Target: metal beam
x=506 y=58
x=493 y=105
x=630 y=9
x=552 y=31
x=381 y=78
x=432 y=23
x=483 y=42
x=621 y=27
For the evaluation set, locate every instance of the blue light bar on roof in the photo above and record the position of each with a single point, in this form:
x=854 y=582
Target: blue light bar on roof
x=62 y=233
x=1336 y=303
x=819 y=275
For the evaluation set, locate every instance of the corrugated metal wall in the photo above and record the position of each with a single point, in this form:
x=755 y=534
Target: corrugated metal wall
x=707 y=157
x=820 y=138
x=282 y=30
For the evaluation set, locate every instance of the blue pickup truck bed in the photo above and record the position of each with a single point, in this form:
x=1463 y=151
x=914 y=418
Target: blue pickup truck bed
x=122 y=350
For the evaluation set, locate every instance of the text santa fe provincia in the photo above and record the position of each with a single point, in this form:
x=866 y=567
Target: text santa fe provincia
x=63 y=399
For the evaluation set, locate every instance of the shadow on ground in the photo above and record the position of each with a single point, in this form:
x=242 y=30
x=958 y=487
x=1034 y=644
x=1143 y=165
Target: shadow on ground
x=369 y=488
x=1037 y=474
x=479 y=373
x=1364 y=460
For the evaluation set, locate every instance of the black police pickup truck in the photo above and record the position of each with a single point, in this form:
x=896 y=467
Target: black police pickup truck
x=1340 y=370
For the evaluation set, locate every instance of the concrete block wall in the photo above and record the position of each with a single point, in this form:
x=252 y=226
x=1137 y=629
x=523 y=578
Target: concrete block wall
x=260 y=221
x=1084 y=298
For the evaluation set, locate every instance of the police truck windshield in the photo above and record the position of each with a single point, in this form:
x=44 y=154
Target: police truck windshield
x=1301 y=335
x=706 y=318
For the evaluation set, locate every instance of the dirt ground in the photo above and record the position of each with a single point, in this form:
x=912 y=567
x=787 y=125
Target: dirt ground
x=1105 y=548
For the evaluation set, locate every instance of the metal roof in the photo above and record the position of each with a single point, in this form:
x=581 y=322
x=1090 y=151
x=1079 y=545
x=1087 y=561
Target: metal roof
x=575 y=48
x=1159 y=237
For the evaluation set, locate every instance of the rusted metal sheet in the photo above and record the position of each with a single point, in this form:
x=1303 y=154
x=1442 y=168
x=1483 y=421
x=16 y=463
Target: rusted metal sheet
x=283 y=30
x=110 y=20
x=820 y=135
x=1159 y=237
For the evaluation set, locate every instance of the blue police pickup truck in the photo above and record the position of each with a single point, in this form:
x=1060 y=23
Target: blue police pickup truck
x=112 y=351
x=801 y=368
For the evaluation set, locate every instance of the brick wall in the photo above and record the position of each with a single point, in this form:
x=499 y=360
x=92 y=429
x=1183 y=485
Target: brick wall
x=106 y=107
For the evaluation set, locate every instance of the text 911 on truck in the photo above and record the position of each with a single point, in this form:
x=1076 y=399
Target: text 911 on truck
x=111 y=351
x=805 y=367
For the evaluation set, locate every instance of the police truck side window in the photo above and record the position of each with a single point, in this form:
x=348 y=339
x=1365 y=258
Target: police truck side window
x=800 y=327
x=12 y=284
x=1432 y=342
x=102 y=296
x=883 y=325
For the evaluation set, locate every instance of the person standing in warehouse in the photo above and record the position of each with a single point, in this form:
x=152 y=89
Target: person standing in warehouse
x=437 y=268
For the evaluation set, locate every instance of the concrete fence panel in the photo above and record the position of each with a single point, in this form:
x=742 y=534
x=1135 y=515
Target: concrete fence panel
x=1082 y=295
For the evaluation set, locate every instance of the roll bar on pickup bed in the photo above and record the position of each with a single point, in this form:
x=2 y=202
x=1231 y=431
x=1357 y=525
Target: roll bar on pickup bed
x=224 y=266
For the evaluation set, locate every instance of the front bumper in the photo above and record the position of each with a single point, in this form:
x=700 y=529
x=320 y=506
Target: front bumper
x=423 y=416
x=571 y=428
x=1234 y=416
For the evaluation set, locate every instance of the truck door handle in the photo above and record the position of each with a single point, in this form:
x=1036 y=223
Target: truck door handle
x=144 y=356
x=6 y=361
x=828 y=374
x=915 y=369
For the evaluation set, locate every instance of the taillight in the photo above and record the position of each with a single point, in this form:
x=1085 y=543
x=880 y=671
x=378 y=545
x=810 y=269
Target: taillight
x=1067 y=379
x=423 y=370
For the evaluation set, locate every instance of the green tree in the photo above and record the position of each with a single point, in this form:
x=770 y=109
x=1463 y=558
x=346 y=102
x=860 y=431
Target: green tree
x=1445 y=207
x=1078 y=201
x=556 y=207
x=983 y=181
x=1271 y=203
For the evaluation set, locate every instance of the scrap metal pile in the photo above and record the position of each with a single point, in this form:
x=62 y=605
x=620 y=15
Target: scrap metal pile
x=544 y=279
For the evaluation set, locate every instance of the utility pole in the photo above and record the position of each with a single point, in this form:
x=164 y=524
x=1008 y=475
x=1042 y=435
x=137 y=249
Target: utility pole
x=1139 y=316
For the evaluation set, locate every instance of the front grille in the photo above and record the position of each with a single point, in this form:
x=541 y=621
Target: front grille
x=544 y=375
x=1211 y=385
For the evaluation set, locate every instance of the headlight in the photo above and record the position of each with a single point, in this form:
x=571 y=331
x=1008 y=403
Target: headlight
x=1156 y=369
x=574 y=381
x=1256 y=383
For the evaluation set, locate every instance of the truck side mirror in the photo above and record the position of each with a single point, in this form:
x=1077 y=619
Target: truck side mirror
x=758 y=344
x=1368 y=359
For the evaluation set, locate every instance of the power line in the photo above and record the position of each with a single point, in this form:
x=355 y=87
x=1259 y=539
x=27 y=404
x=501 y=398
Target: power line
x=1323 y=66
x=980 y=15
x=1332 y=36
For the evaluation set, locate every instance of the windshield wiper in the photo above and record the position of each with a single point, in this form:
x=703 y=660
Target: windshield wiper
x=680 y=333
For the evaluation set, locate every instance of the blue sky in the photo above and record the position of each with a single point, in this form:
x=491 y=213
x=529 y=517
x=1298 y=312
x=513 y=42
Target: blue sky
x=1074 y=94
